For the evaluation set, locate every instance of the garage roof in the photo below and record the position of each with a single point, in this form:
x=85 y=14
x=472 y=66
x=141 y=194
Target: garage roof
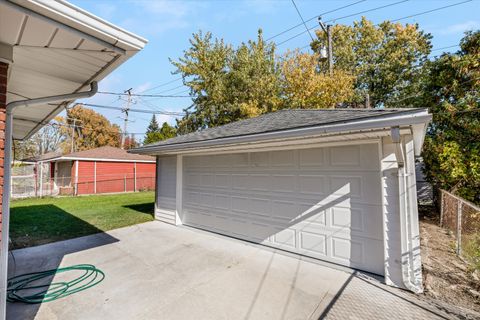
x=58 y=48
x=265 y=126
x=105 y=153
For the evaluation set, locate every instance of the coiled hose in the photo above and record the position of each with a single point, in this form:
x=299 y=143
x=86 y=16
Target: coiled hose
x=20 y=286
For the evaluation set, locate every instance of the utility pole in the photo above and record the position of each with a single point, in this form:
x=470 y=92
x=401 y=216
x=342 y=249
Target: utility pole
x=73 y=136
x=125 y=120
x=73 y=126
x=327 y=30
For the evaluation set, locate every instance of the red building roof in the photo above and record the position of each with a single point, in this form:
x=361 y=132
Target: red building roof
x=106 y=153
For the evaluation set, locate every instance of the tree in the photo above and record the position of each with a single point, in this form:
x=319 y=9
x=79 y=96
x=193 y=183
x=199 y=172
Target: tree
x=153 y=132
x=24 y=149
x=48 y=139
x=51 y=136
x=385 y=59
x=130 y=142
x=167 y=131
x=92 y=130
x=303 y=86
x=452 y=94
x=227 y=84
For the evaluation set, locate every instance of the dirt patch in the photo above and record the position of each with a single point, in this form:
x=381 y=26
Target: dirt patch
x=446 y=277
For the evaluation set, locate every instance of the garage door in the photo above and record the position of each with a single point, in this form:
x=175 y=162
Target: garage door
x=323 y=202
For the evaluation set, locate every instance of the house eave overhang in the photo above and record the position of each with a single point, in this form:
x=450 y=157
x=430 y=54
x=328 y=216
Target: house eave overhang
x=371 y=127
x=57 y=48
x=83 y=21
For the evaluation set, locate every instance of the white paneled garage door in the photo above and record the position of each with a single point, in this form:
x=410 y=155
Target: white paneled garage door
x=324 y=202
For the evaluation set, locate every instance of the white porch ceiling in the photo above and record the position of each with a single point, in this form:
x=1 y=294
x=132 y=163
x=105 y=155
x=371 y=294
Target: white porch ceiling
x=57 y=49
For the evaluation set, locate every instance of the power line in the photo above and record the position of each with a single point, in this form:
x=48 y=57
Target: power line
x=170 y=113
x=394 y=20
x=432 y=10
x=447 y=47
x=145 y=95
x=315 y=17
x=344 y=17
x=303 y=21
x=171 y=89
x=162 y=85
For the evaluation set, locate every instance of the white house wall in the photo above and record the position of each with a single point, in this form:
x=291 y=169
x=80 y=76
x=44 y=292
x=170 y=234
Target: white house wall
x=165 y=202
x=391 y=214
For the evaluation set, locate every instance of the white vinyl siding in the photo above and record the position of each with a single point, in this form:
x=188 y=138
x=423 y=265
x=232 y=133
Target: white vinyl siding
x=165 y=202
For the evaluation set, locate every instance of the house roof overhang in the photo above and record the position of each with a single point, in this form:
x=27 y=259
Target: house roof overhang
x=411 y=122
x=55 y=48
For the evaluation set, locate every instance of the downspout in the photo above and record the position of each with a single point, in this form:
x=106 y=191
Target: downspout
x=7 y=175
x=405 y=216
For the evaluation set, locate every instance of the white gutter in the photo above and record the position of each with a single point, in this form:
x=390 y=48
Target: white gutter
x=7 y=177
x=69 y=17
x=97 y=159
x=66 y=27
x=405 y=215
x=385 y=121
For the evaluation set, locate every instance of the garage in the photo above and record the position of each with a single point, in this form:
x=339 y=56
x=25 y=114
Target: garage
x=336 y=185
x=315 y=202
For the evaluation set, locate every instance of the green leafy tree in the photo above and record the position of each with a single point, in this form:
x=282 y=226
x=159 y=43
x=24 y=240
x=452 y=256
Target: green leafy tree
x=452 y=94
x=227 y=84
x=167 y=131
x=384 y=59
x=153 y=132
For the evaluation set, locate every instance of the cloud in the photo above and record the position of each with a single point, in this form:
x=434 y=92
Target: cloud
x=460 y=27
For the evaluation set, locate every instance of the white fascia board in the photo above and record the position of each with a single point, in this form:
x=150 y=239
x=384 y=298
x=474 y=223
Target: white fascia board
x=97 y=159
x=84 y=21
x=384 y=122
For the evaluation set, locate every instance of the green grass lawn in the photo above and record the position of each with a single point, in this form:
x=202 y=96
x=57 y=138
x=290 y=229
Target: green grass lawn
x=39 y=221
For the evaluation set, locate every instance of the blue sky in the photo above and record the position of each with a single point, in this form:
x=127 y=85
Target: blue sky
x=168 y=25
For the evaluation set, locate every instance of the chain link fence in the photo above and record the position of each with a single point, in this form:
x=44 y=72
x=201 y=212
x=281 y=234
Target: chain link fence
x=30 y=182
x=463 y=219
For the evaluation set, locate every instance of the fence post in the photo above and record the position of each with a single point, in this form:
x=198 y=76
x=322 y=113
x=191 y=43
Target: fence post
x=134 y=177
x=125 y=183
x=442 y=199
x=459 y=227
x=41 y=179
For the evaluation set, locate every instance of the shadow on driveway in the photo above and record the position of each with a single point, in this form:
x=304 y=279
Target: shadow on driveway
x=41 y=224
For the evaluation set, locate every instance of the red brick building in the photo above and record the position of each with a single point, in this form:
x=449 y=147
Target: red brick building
x=100 y=170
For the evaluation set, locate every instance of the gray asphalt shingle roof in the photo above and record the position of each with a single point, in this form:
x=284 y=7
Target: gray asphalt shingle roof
x=281 y=120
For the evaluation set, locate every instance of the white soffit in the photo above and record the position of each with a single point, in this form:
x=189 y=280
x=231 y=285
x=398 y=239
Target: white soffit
x=57 y=49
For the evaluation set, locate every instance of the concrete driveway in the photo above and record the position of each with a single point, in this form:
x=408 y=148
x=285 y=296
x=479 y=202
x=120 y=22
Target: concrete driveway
x=158 y=271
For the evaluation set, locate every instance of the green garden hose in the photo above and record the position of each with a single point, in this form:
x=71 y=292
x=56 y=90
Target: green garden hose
x=22 y=288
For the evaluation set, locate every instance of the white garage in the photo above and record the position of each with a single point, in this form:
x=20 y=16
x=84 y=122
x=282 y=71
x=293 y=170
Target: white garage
x=328 y=184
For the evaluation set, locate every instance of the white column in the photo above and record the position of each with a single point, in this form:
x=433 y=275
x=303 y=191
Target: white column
x=95 y=177
x=134 y=177
x=76 y=177
x=41 y=179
